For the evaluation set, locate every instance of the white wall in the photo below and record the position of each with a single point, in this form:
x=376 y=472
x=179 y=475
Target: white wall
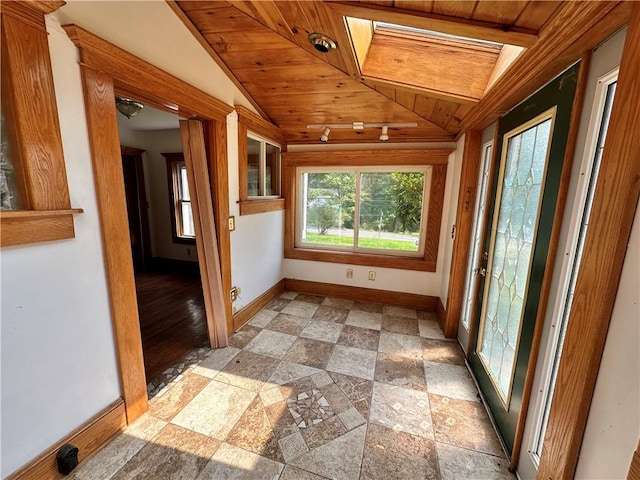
x=155 y=143
x=58 y=357
x=257 y=243
x=408 y=281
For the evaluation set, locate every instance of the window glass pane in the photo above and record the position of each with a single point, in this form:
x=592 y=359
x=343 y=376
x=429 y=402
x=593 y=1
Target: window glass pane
x=390 y=210
x=188 y=229
x=184 y=184
x=329 y=208
x=253 y=167
x=272 y=170
x=8 y=192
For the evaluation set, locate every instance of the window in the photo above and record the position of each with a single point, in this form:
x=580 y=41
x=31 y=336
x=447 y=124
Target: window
x=365 y=207
x=181 y=213
x=259 y=172
x=374 y=210
x=263 y=168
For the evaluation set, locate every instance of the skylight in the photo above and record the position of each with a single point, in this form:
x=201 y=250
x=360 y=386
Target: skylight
x=432 y=33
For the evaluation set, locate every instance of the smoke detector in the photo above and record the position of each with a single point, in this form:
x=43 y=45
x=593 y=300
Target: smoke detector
x=321 y=42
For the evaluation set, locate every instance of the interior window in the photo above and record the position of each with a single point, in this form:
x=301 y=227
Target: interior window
x=263 y=168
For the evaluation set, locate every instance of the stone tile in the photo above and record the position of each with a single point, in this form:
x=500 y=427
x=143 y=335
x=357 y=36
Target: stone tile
x=233 y=463
x=312 y=353
x=358 y=318
x=451 y=381
x=363 y=338
x=271 y=396
x=292 y=446
x=402 y=345
x=285 y=323
x=215 y=410
x=321 y=379
x=242 y=337
x=400 y=371
x=337 y=302
x=445 y=351
x=337 y=399
x=287 y=372
x=357 y=390
x=271 y=344
x=289 y=295
x=253 y=432
x=292 y=473
x=106 y=462
x=353 y=361
x=323 y=331
x=278 y=304
x=351 y=418
x=464 y=424
x=263 y=317
x=430 y=329
x=390 y=454
x=399 y=311
x=281 y=421
x=427 y=315
x=309 y=408
x=214 y=363
x=166 y=406
x=367 y=307
x=401 y=409
x=458 y=464
x=305 y=297
x=323 y=432
x=248 y=370
x=294 y=387
x=301 y=309
x=174 y=453
x=331 y=314
x=322 y=460
x=404 y=325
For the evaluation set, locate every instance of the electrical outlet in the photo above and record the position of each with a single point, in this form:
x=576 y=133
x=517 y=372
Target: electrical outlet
x=372 y=275
x=232 y=224
x=349 y=272
x=188 y=251
x=235 y=291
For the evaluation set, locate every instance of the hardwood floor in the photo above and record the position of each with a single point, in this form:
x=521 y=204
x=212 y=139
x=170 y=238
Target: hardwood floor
x=172 y=319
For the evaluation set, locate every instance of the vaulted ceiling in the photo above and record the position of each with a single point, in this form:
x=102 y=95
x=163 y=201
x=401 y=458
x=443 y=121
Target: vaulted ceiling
x=377 y=74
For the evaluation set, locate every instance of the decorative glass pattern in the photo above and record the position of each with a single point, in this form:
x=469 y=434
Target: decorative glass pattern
x=9 y=199
x=512 y=250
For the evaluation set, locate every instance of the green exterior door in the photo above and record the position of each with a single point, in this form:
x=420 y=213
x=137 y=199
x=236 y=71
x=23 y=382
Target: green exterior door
x=530 y=149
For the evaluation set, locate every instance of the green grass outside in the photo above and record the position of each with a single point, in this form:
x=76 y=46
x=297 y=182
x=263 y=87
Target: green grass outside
x=381 y=243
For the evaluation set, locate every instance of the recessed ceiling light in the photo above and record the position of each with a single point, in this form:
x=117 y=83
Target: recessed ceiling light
x=321 y=42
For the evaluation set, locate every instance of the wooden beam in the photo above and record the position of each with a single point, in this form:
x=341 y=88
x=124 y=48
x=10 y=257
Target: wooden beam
x=212 y=53
x=463 y=27
x=612 y=214
x=195 y=159
x=116 y=243
x=577 y=27
x=464 y=224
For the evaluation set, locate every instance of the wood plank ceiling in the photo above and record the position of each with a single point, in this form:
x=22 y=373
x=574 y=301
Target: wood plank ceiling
x=265 y=45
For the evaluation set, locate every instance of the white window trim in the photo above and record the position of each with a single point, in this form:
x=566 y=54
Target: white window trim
x=300 y=209
x=178 y=201
x=263 y=166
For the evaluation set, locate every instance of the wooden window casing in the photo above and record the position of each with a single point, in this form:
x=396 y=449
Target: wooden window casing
x=174 y=161
x=250 y=122
x=28 y=99
x=437 y=158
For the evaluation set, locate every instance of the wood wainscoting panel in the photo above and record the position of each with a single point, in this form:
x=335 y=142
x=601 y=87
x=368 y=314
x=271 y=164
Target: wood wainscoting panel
x=245 y=314
x=89 y=438
x=361 y=294
x=634 y=469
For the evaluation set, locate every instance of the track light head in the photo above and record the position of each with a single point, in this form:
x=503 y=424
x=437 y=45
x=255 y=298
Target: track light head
x=325 y=135
x=384 y=136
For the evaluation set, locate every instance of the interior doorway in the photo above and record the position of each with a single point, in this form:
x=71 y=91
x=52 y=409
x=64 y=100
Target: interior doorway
x=169 y=289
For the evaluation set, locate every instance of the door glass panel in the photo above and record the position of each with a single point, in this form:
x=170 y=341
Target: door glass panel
x=512 y=247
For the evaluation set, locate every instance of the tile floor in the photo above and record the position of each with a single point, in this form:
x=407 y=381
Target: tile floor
x=314 y=388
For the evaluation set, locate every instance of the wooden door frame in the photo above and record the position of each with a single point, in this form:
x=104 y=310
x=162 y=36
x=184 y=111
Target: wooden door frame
x=106 y=69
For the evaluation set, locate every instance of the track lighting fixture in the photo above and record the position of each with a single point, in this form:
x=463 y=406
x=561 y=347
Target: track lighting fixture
x=384 y=136
x=325 y=135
